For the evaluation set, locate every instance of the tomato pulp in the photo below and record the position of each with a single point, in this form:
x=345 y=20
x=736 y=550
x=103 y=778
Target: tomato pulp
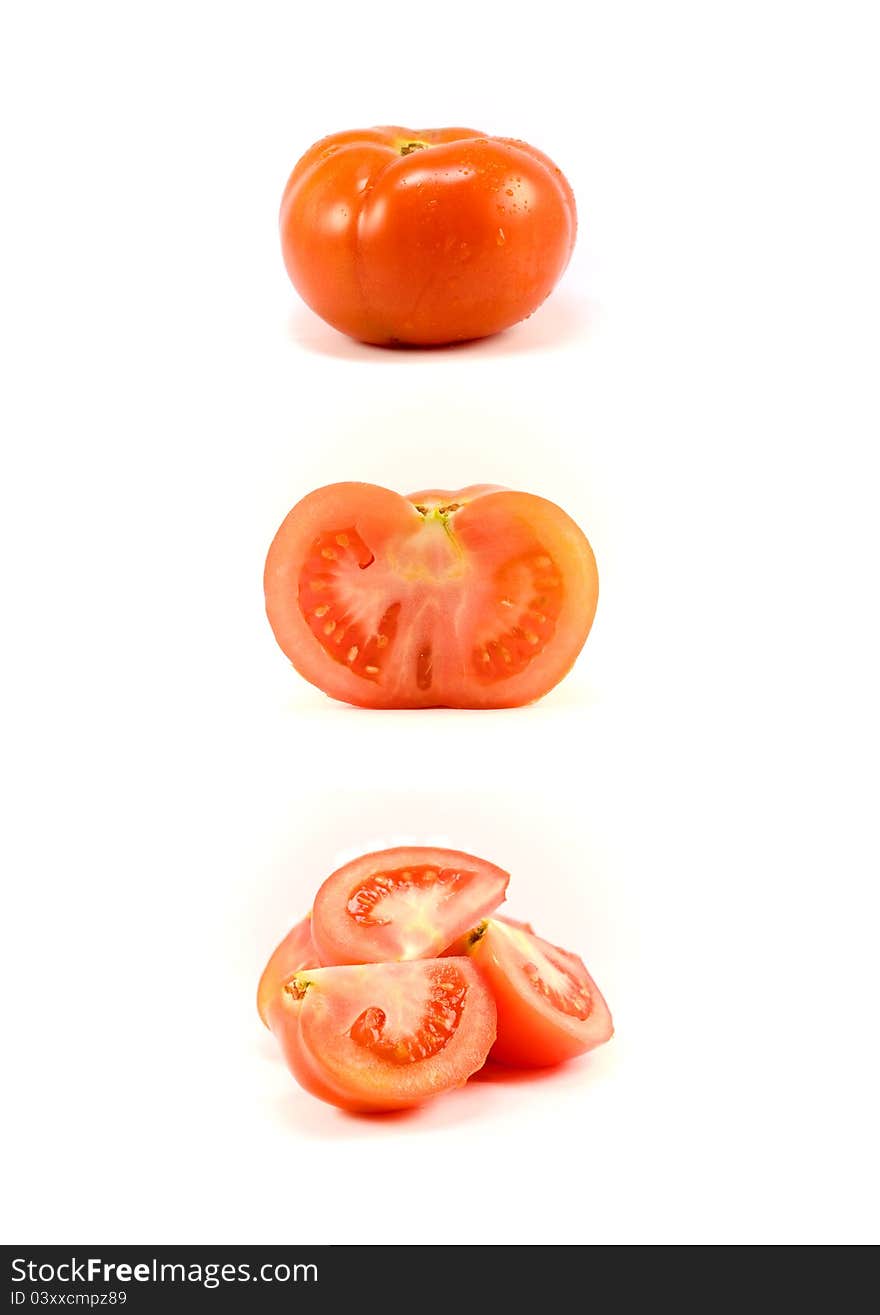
x=480 y=598
x=296 y=951
x=404 y=903
x=394 y=235
x=549 y=1007
x=384 y=1036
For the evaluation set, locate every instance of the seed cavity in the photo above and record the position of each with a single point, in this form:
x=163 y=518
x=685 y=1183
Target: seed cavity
x=531 y=593
x=330 y=566
x=442 y=1015
x=400 y=884
x=567 y=994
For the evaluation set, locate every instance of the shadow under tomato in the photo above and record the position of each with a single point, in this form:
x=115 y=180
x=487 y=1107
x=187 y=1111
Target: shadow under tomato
x=502 y=1075
x=561 y=319
x=472 y=1101
x=306 y=700
x=304 y=1114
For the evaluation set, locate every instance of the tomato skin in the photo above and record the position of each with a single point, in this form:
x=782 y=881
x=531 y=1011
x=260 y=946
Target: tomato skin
x=295 y=952
x=456 y=238
x=532 y=1033
x=420 y=924
x=315 y=1016
x=444 y=560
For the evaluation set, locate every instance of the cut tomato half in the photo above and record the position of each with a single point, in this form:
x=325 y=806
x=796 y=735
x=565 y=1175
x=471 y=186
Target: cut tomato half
x=384 y=1036
x=549 y=1007
x=480 y=598
x=296 y=951
x=405 y=903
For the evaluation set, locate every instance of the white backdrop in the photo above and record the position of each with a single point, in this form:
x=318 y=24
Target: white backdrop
x=694 y=809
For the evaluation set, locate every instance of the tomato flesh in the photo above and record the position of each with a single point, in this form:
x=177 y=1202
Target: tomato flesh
x=384 y=1036
x=296 y=951
x=480 y=598
x=405 y=903
x=549 y=1008
x=425 y=237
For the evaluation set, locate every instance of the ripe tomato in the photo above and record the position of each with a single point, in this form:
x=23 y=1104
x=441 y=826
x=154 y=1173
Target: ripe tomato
x=476 y=599
x=549 y=1007
x=408 y=903
x=423 y=237
x=296 y=951
x=384 y=1036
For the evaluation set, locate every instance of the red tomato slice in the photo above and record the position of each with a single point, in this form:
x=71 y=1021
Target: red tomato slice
x=476 y=599
x=296 y=951
x=408 y=903
x=384 y=1036
x=549 y=1007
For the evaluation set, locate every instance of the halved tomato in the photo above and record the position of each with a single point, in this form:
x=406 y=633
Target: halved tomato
x=477 y=599
x=296 y=951
x=384 y=1036
x=405 y=903
x=549 y=1007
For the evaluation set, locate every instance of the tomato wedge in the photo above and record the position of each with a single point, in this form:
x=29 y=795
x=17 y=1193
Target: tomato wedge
x=549 y=1007
x=480 y=598
x=384 y=1036
x=296 y=951
x=405 y=903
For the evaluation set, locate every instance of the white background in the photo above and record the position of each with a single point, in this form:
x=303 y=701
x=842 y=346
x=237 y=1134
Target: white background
x=694 y=810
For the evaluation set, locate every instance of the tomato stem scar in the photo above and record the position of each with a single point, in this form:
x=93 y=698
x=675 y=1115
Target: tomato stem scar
x=296 y=987
x=407 y=148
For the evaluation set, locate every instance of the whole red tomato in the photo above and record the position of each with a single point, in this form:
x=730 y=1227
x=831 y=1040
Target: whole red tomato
x=425 y=237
